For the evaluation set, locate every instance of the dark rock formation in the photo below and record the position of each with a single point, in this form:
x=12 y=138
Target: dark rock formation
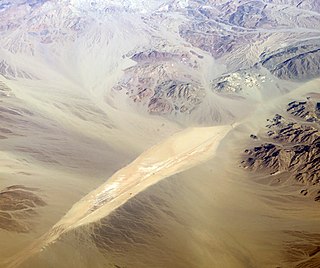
x=249 y=15
x=176 y=91
x=152 y=55
x=298 y=62
x=153 y=87
x=291 y=147
x=252 y=136
x=317 y=108
x=210 y=40
x=308 y=111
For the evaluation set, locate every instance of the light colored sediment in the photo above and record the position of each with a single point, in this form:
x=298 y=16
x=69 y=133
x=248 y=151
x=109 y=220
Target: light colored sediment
x=179 y=152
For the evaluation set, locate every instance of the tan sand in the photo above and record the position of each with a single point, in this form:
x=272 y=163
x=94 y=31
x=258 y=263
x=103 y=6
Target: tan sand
x=179 y=152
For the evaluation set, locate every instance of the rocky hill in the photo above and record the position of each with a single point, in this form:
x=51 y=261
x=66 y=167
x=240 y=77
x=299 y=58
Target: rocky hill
x=291 y=147
x=246 y=29
x=180 y=55
x=298 y=62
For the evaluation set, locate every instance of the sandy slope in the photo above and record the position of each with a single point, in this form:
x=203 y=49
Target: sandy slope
x=179 y=152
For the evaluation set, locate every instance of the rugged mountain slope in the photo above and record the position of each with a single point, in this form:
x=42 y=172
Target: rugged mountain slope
x=299 y=62
x=244 y=29
x=226 y=36
x=291 y=147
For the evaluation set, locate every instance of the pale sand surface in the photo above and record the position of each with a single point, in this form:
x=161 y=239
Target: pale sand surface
x=212 y=215
x=179 y=152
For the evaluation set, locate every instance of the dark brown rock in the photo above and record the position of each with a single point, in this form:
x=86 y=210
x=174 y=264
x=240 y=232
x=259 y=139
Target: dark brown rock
x=291 y=147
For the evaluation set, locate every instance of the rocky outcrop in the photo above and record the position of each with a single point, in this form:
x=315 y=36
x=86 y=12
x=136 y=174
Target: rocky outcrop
x=249 y=15
x=299 y=62
x=153 y=55
x=317 y=110
x=238 y=82
x=176 y=96
x=291 y=147
x=208 y=38
x=309 y=111
x=159 y=89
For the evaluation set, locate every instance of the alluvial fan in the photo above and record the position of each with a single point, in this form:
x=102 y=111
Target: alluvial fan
x=134 y=133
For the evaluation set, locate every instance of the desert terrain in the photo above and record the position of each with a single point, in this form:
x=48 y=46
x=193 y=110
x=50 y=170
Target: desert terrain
x=159 y=133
